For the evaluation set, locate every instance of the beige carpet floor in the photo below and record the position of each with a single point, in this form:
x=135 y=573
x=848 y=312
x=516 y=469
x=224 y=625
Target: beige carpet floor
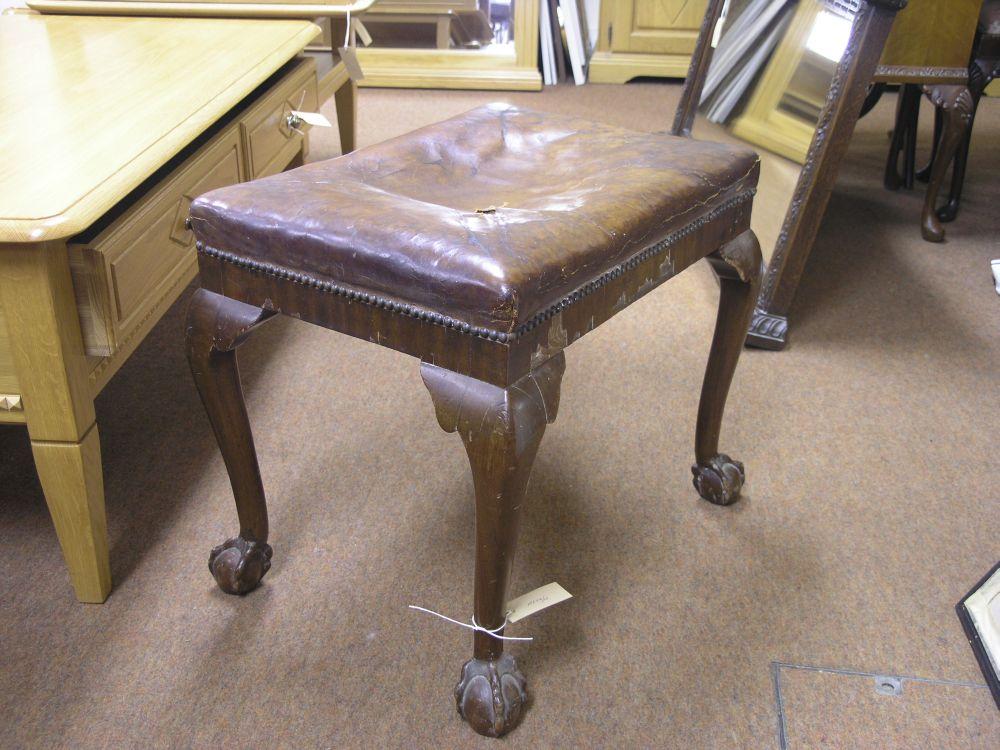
x=872 y=506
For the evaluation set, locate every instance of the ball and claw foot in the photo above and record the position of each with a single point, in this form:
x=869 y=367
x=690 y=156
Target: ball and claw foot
x=719 y=480
x=491 y=695
x=239 y=564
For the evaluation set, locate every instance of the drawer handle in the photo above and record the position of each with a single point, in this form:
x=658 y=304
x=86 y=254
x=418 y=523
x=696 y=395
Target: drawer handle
x=293 y=121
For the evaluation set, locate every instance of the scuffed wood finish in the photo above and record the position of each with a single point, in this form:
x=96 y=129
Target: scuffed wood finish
x=737 y=264
x=487 y=294
x=103 y=141
x=501 y=429
x=444 y=343
x=217 y=325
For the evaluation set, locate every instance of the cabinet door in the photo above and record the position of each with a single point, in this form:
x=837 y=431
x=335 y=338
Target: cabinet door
x=656 y=26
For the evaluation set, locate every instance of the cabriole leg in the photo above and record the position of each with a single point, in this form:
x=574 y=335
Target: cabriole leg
x=956 y=105
x=216 y=325
x=501 y=429
x=717 y=477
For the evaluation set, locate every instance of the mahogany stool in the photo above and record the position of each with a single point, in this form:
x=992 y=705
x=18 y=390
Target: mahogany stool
x=485 y=245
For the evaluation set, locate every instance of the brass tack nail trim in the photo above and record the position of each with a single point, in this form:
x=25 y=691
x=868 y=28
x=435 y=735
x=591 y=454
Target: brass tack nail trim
x=412 y=311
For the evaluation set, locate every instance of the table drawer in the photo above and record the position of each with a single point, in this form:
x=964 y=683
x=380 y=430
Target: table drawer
x=269 y=140
x=121 y=275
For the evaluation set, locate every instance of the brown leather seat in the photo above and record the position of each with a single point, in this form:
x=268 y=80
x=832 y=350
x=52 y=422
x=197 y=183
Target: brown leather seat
x=487 y=218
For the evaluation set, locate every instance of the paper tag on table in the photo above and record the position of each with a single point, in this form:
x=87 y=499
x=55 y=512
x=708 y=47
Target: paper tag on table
x=349 y=55
x=533 y=601
x=313 y=118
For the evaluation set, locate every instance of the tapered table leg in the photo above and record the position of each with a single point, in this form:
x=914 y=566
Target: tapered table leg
x=36 y=292
x=346 y=101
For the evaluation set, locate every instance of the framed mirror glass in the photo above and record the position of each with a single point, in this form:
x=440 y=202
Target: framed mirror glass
x=767 y=85
x=470 y=44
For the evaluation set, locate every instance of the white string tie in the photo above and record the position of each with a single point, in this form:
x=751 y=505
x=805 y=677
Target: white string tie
x=475 y=626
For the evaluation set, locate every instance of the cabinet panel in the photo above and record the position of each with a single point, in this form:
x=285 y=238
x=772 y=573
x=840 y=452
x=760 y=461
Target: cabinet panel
x=667 y=27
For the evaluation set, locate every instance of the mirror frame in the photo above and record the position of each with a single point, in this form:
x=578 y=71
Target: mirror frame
x=460 y=68
x=847 y=93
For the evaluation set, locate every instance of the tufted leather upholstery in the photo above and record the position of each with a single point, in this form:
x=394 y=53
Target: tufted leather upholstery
x=487 y=217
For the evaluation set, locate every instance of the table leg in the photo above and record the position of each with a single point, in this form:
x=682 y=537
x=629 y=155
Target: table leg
x=36 y=292
x=443 y=35
x=346 y=101
x=71 y=479
x=955 y=104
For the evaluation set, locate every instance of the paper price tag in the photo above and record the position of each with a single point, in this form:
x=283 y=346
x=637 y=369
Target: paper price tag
x=312 y=118
x=350 y=57
x=533 y=601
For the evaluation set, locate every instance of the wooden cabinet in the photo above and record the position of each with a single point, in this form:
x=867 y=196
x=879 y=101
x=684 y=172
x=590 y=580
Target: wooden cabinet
x=645 y=38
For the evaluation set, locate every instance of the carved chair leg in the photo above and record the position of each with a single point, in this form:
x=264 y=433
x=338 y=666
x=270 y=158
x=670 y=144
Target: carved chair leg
x=949 y=211
x=501 y=429
x=717 y=477
x=955 y=104
x=907 y=110
x=216 y=325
